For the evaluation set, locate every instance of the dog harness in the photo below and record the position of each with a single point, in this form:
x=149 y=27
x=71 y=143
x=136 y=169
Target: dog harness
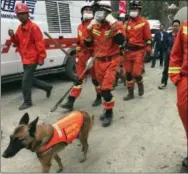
x=65 y=130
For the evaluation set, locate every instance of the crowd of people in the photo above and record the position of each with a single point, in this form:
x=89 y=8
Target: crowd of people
x=104 y=45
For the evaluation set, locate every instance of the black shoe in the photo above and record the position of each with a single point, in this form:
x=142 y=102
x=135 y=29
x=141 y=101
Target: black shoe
x=162 y=86
x=70 y=103
x=25 y=106
x=140 y=89
x=48 y=92
x=184 y=168
x=143 y=71
x=130 y=94
x=98 y=101
x=103 y=115
x=115 y=85
x=108 y=118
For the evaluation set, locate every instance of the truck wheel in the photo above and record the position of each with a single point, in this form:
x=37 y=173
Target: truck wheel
x=70 y=69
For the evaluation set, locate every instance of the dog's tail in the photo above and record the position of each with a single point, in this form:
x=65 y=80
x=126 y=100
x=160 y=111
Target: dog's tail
x=92 y=118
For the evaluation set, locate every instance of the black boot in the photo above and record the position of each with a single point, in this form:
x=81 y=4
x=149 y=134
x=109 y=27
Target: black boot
x=27 y=100
x=70 y=103
x=130 y=94
x=115 y=83
x=25 y=106
x=162 y=86
x=184 y=168
x=98 y=101
x=103 y=115
x=48 y=92
x=140 y=88
x=143 y=71
x=108 y=118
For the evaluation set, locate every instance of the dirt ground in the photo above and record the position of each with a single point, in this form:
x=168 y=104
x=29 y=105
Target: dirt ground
x=146 y=135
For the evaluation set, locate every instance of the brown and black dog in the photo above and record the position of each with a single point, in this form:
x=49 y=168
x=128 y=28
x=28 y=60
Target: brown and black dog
x=46 y=140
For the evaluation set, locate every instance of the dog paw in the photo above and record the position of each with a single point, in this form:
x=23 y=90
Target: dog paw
x=82 y=160
x=59 y=170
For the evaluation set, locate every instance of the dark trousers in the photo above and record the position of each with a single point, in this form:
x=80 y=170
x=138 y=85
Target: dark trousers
x=162 y=52
x=164 y=78
x=28 y=81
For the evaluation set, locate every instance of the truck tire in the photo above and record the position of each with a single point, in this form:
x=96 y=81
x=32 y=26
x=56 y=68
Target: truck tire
x=70 y=69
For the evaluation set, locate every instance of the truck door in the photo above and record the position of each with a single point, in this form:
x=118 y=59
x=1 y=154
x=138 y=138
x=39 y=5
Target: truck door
x=9 y=60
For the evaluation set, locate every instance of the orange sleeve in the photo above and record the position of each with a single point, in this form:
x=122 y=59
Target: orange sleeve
x=88 y=35
x=119 y=28
x=147 y=36
x=176 y=58
x=14 y=39
x=39 y=43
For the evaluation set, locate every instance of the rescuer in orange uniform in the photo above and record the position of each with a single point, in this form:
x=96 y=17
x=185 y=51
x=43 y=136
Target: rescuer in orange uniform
x=139 y=37
x=29 y=41
x=108 y=53
x=83 y=54
x=178 y=71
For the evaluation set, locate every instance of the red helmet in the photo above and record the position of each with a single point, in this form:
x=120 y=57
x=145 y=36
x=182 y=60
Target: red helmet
x=21 y=8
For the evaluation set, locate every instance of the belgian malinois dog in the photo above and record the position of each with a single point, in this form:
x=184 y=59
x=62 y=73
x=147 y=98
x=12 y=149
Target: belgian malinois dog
x=35 y=137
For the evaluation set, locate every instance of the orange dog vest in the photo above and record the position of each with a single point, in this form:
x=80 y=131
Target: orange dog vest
x=65 y=129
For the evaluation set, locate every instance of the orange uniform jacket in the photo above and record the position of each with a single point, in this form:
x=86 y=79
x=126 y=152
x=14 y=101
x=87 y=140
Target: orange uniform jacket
x=98 y=35
x=65 y=130
x=179 y=59
x=138 y=33
x=82 y=33
x=29 y=41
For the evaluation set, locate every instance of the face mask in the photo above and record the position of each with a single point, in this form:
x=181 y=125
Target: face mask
x=87 y=16
x=100 y=15
x=133 y=14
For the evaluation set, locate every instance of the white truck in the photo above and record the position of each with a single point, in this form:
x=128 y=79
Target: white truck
x=59 y=18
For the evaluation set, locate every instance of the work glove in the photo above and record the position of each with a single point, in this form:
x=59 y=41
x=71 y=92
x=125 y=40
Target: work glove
x=124 y=45
x=92 y=23
x=11 y=32
x=110 y=19
x=90 y=62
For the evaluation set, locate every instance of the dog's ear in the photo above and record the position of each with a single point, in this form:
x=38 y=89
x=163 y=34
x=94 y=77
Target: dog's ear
x=32 y=127
x=24 y=119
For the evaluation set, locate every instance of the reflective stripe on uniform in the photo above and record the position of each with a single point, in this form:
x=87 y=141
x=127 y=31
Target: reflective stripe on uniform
x=79 y=33
x=78 y=48
x=132 y=81
x=96 y=32
x=79 y=86
x=127 y=27
x=174 y=70
x=149 y=42
x=106 y=33
x=185 y=30
x=139 y=25
x=88 y=39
